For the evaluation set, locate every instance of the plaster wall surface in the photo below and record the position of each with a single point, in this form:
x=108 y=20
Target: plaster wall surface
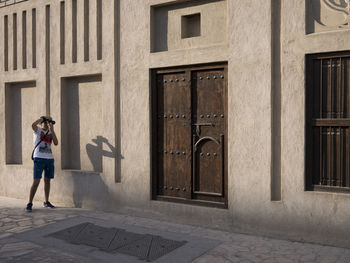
x=168 y=25
x=266 y=100
x=325 y=211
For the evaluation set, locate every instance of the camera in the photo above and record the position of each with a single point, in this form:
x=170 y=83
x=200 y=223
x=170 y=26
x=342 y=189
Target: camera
x=47 y=120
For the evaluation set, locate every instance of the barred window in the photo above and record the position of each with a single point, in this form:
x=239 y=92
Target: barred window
x=328 y=122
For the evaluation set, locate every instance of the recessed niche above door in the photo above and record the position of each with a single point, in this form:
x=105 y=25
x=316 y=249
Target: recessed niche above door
x=187 y=25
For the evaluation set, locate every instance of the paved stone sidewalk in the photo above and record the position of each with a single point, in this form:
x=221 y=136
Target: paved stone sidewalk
x=16 y=225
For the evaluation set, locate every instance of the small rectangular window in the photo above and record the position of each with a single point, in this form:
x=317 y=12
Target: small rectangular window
x=191 y=25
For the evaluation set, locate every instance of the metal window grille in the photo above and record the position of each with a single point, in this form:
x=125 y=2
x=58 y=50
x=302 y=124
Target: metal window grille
x=328 y=122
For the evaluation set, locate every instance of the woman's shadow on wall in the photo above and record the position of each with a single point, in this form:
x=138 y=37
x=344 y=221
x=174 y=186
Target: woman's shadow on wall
x=95 y=152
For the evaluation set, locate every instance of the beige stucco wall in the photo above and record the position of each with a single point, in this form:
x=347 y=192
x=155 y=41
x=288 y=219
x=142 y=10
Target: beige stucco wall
x=114 y=110
x=327 y=212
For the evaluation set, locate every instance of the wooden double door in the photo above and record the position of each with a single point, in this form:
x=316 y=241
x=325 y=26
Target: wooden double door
x=189 y=131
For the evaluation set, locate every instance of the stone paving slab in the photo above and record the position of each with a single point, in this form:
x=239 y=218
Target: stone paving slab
x=228 y=247
x=16 y=250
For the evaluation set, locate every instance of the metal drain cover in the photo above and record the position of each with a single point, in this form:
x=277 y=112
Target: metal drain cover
x=161 y=246
x=95 y=236
x=114 y=240
x=150 y=247
x=139 y=248
x=69 y=234
x=122 y=239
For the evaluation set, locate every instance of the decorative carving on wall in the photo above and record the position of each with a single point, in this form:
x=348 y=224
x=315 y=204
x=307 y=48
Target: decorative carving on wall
x=330 y=14
x=4 y=3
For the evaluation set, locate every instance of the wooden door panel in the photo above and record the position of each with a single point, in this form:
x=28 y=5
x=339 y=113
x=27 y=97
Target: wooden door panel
x=208 y=99
x=190 y=128
x=209 y=169
x=208 y=94
x=176 y=156
x=174 y=134
x=176 y=99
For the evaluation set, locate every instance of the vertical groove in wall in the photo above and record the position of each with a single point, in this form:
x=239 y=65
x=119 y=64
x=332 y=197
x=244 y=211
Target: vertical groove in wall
x=62 y=33
x=14 y=23
x=276 y=194
x=68 y=31
x=86 y=30
x=99 y=28
x=92 y=31
x=80 y=30
x=10 y=42
x=29 y=38
x=117 y=91
x=24 y=39
x=34 y=38
x=47 y=57
x=74 y=31
x=6 y=43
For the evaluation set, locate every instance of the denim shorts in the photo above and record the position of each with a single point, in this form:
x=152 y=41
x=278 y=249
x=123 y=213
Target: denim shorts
x=47 y=165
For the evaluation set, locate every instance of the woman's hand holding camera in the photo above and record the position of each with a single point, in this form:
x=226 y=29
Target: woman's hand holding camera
x=51 y=126
x=47 y=119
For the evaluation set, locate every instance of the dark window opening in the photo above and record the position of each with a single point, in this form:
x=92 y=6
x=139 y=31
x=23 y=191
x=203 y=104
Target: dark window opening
x=328 y=122
x=191 y=26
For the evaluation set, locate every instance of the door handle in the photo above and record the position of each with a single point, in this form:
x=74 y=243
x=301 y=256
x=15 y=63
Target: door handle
x=198 y=126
